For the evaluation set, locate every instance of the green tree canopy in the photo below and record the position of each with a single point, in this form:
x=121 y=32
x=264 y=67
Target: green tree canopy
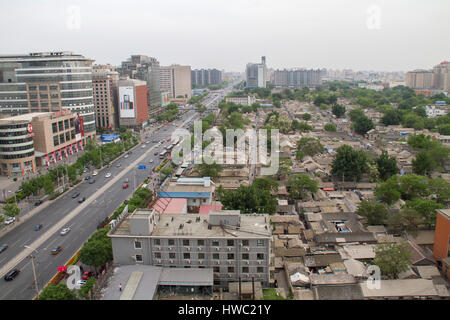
x=338 y=110
x=57 y=292
x=330 y=127
x=392 y=259
x=386 y=165
x=11 y=210
x=248 y=200
x=375 y=212
x=349 y=163
x=299 y=185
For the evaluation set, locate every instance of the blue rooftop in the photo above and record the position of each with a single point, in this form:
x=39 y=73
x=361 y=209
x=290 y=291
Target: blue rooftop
x=184 y=194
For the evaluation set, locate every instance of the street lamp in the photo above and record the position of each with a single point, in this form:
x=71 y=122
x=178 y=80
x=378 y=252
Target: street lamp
x=34 y=270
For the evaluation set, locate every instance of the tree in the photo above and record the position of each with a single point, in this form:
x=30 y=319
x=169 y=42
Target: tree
x=423 y=163
x=83 y=292
x=308 y=147
x=392 y=258
x=11 y=210
x=362 y=125
x=388 y=191
x=349 y=163
x=375 y=212
x=97 y=250
x=299 y=185
x=405 y=220
x=356 y=114
x=440 y=189
x=306 y=116
x=426 y=208
x=444 y=129
x=212 y=170
x=392 y=117
x=412 y=120
x=338 y=110
x=57 y=292
x=412 y=186
x=248 y=200
x=265 y=184
x=387 y=166
x=330 y=127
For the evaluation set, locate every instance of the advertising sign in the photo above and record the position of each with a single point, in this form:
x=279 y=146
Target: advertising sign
x=79 y=130
x=127 y=107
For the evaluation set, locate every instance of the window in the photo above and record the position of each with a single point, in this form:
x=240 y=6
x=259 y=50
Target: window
x=230 y=256
x=71 y=122
x=230 y=243
x=216 y=269
x=60 y=126
x=61 y=138
x=157 y=242
x=55 y=141
x=230 y=269
x=171 y=242
x=137 y=245
x=244 y=269
x=171 y=255
x=201 y=256
x=157 y=255
x=245 y=256
x=215 y=243
x=215 y=256
x=201 y=242
x=245 y=242
x=186 y=255
x=185 y=242
x=260 y=256
x=260 y=269
x=67 y=136
x=66 y=124
x=260 y=242
x=139 y=258
x=54 y=127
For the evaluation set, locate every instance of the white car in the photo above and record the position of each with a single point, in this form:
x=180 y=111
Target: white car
x=108 y=175
x=126 y=156
x=10 y=220
x=81 y=282
x=143 y=146
x=65 y=231
x=95 y=173
x=150 y=161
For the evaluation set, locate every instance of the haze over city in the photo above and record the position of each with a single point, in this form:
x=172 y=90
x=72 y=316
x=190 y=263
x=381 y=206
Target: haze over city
x=359 y=35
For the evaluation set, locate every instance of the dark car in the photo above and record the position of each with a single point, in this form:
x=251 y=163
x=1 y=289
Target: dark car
x=155 y=153
x=154 y=141
x=87 y=275
x=129 y=152
x=81 y=200
x=11 y=274
x=56 y=250
x=38 y=203
x=75 y=194
x=38 y=227
x=3 y=247
x=91 y=181
x=87 y=178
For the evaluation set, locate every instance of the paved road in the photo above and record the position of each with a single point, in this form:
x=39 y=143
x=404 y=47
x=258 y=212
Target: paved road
x=102 y=198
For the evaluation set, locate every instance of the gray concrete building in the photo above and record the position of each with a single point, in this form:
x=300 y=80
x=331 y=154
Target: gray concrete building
x=233 y=245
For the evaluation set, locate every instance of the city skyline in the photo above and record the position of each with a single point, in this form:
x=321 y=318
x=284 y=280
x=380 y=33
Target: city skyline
x=288 y=33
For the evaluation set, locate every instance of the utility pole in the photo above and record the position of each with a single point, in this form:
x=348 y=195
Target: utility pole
x=34 y=270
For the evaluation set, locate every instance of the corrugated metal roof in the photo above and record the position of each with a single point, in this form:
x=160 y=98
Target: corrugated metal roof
x=184 y=194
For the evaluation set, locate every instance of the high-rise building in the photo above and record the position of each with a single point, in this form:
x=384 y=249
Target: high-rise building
x=48 y=82
x=296 y=78
x=206 y=77
x=441 y=76
x=177 y=80
x=256 y=74
x=133 y=108
x=145 y=68
x=105 y=88
x=441 y=247
x=438 y=78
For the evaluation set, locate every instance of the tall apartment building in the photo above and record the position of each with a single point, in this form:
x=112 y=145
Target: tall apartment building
x=133 y=108
x=441 y=246
x=438 y=78
x=176 y=79
x=145 y=68
x=234 y=245
x=48 y=82
x=105 y=84
x=256 y=73
x=296 y=78
x=206 y=77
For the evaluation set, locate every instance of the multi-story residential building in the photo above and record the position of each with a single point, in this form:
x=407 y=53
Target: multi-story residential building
x=296 y=78
x=145 y=68
x=133 y=108
x=419 y=79
x=206 y=77
x=441 y=76
x=245 y=100
x=177 y=80
x=256 y=74
x=236 y=246
x=47 y=82
x=441 y=246
x=105 y=89
x=440 y=108
x=438 y=78
x=38 y=139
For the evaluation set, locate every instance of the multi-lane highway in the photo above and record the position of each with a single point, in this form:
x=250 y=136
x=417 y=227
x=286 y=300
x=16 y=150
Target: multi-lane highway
x=102 y=198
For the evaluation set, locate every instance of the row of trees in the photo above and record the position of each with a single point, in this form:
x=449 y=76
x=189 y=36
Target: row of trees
x=171 y=112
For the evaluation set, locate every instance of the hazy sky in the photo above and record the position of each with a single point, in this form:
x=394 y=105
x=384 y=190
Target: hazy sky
x=392 y=35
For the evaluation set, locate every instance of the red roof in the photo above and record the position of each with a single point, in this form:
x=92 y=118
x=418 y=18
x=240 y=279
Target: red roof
x=328 y=189
x=206 y=208
x=170 y=205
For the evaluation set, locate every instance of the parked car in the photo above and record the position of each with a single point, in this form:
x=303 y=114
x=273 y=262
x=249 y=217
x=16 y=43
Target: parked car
x=107 y=175
x=12 y=274
x=95 y=173
x=125 y=186
x=87 y=275
x=143 y=146
x=10 y=220
x=3 y=247
x=75 y=194
x=81 y=200
x=126 y=156
x=65 y=231
x=126 y=180
x=155 y=153
x=87 y=177
x=91 y=181
x=56 y=250
x=37 y=227
x=118 y=165
x=81 y=282
x=150 y=161
x=38 y=203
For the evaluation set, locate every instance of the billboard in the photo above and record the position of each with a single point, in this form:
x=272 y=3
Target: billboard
x=127 y=107
x=79 y=130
